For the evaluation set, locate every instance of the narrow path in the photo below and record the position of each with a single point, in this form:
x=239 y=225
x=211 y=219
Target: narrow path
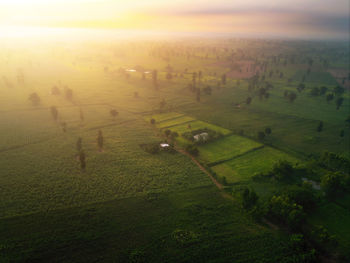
x=218 y=185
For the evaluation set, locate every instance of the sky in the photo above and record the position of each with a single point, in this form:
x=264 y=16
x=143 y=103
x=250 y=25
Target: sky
x=324 y=19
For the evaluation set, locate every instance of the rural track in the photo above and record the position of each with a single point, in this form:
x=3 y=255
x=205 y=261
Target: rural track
x=218 y=185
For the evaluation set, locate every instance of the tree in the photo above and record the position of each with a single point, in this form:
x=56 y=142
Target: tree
x=339 y=102
x=155 y=78
x=54 y=113
x=167 y=132
x=332 y=184
x=268 y=130
x=223 y=79
x=348 y=119
x=338 y=90
x=114 y=113
x=68 y=93
x=198 y=95
x=282 y=170
x=192 y=149
x=200 y=75
x=323 y=90
x=292 y=96
x=174 y=135
x=55 y=90
x=320 y=126
x=169 y=76
x=162 y=104
x=315 y=91
x=248 y=100
x=342 y=133
x=283 y=210
x=261 y=135
x=303 y=196
x=81 y=114
x=248 y=198
x=207 y=90
x=153 y=121
x=79 y=144
x=64 y=126
x=329 y=97
x=34 y=98
x=82 y=160
x=100 y=140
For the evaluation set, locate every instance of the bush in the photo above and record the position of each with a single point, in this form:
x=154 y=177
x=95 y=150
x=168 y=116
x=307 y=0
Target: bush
x=151 y=148
x=283 y=210
x=192 y=149
x=184 y=237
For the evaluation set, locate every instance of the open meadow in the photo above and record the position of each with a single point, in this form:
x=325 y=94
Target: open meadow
x=84 y=179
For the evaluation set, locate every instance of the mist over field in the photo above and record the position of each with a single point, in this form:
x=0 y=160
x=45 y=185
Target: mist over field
x=151 y=131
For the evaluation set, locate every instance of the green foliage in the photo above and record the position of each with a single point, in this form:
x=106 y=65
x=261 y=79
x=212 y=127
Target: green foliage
x=322 y=238
x=151 y=148
x=184 y=237
x=303 y=196
x=335 y=183
x=284 y=211
x=334 y=162
x=100 y=139
x=261 y=135
x=249 y=198
x=192 y=149
x=79 y=145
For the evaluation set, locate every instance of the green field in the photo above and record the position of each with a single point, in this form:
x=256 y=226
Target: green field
x=114 y=231
x=245 y=166
x=128 y=204
x=226 y=148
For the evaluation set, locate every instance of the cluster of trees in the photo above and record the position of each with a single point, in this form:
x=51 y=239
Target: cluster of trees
x=262 y=134
x=290 y=95
x=281 y=171
x=34 y=99
x=335 y=184
x=335 y=92
x=212 y=135
x=81 y=153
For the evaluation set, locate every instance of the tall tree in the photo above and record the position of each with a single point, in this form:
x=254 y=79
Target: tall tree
x=81 y=114
x=82 y=160
x=79 y=144
x=54 y=113
x=329 y=97
x=34 y=98
x=320 y=126
x=339 y=102
x=198 y=95
x=114 y=113
x=223 y=79
x=100 y=140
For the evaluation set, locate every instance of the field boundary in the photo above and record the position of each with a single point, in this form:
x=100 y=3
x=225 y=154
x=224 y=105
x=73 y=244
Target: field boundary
x=171 y=126
x=170 y=119
x=211 y=164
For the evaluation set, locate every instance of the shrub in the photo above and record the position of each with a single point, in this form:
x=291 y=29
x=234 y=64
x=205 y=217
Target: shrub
x=192 y=149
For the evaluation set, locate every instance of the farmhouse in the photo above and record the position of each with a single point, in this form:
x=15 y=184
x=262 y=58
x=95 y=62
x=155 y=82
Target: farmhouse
x=201 y=137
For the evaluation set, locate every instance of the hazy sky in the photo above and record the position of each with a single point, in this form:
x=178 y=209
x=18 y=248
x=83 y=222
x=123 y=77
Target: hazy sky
x=286 y=18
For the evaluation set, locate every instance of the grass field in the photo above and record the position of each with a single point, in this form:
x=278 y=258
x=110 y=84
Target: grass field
x=226 y=148
x=128 y=204
x=143 y=228
x=245 y=166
